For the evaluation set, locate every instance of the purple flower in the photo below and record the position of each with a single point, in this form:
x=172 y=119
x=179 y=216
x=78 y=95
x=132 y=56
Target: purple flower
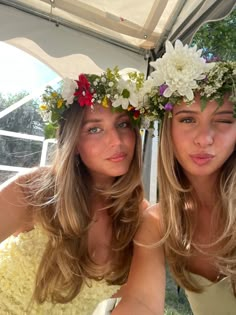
x=212 y=59
x=162 y=89
x=168 y=107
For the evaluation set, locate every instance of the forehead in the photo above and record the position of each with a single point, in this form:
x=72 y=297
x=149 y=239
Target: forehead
x=212 y=106
x=101 y=112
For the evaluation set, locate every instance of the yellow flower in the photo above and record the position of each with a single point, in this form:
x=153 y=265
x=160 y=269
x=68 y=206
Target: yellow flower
x=54 y=94
x=59 y=103
x=105 y=102
x=43 y=107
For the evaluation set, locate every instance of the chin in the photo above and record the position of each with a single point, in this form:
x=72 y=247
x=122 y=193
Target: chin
x=203 y=173
x=120 y=172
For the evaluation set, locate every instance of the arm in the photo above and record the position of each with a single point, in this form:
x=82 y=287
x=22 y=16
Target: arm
x=144 y=292
x=14 y=212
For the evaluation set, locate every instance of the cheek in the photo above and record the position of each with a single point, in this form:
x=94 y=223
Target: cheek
x=89 y=156
x=131 y=141
x=227 y=146
x=181 y=146
x=88 y=150
x=227 y=138
x=85 y=148
x=177 y=139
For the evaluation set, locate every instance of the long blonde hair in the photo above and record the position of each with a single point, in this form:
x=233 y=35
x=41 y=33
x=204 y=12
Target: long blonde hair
x=60 y=199
x=178 y=201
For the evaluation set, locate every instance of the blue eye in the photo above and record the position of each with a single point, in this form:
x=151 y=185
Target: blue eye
x=94 y=130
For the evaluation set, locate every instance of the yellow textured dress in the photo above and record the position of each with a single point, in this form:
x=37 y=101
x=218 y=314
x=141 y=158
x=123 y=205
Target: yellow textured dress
x=19 y=260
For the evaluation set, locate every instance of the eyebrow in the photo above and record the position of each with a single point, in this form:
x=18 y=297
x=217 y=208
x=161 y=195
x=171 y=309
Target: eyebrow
x=94 y=120
x=97 y=120
x=223 y=112
x=185 y=111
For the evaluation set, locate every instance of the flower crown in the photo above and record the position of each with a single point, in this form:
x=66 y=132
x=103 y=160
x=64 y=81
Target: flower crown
x=182 y=72
x=107 y=89
x=178 y=75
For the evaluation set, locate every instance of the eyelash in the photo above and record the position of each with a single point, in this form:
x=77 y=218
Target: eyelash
x=187 y=120
x=91 y=130
x=122 y=125
x=224 y=121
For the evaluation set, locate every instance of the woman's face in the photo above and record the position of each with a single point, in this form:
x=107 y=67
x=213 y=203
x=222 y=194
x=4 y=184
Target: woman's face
x=106 y=143
x=203 y=140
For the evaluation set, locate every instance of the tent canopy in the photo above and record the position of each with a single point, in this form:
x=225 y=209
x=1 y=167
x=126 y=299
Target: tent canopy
x=107 y=33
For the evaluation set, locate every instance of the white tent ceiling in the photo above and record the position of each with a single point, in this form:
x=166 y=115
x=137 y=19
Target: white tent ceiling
x=106 y=32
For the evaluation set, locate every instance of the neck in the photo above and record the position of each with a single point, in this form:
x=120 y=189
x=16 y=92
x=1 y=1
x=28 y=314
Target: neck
x=98 y=203
x=205 y=190
x=100 y=182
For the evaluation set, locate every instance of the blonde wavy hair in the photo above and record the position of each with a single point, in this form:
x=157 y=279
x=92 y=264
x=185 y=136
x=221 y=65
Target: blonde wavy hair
x=179 y=201
x=59 y=197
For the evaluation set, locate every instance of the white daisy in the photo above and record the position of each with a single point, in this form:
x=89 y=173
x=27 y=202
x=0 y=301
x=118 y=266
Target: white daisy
x=68 y=90
x=127 y=94
x=180 y=68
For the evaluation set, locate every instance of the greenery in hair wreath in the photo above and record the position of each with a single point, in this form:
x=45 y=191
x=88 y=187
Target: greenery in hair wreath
x=179 y=74
x=109 y=88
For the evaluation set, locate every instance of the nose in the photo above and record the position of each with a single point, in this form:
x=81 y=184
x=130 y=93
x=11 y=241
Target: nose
x=204 y=136
x=113 y=137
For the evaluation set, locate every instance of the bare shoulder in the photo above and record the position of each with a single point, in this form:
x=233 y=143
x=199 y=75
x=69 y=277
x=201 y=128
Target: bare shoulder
x=144 y=205
x=15 y=212
x=21 y=178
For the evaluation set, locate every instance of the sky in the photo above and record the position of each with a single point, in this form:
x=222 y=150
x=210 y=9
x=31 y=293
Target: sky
x=20 y=71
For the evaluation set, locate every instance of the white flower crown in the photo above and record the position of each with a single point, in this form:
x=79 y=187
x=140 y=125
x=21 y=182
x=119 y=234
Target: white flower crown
x=180 y=74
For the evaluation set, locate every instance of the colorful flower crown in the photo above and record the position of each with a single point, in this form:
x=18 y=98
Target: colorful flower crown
x=182 y=72
x=107 y=89
x=178 y=76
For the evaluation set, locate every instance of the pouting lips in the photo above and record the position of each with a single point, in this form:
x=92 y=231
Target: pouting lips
x=202 y=158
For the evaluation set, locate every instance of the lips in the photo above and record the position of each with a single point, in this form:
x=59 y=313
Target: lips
x=202 y=158
x=117 y=157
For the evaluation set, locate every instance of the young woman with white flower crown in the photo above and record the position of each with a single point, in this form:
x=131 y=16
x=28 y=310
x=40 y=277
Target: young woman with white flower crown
x=195 y=218
x=67 y=229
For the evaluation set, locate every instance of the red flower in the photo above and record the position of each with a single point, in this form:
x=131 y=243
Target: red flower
x=136 y=114
x=83 y=92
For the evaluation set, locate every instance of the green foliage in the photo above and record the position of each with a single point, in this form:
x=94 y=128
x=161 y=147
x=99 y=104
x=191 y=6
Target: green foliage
x=218 y=38
x=6 y=101
x=26 y=120
x=104 y=89
x=176 y=302
x=50 y=131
